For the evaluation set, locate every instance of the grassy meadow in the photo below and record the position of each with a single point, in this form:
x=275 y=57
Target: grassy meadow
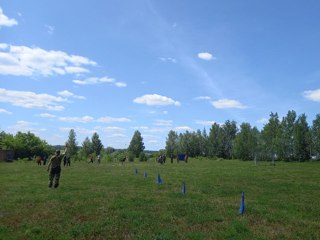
x=110 y=201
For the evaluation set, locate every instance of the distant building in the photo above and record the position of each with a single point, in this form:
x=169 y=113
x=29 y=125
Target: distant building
x=6 y=155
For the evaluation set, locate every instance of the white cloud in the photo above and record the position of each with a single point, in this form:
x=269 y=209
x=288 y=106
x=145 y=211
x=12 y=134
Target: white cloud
x=120 y=84
x=3 y=45
x=47 y=115
x=96 y=80
x=66 y=93
x=32 y=100
x=84 y=119
x=202 y=98
x=26 y=61
x=227 y=103
x=168 y=59
x=161 y=122
x=205 y=122
x=50 y=29
x=112 y=119
x=155 y=99
x=4 y=111
x=24 y=126
x=183 y=129
x=78 y=130
x=313 y=95
x=205 y=56
x=5 y=21
x=112 y=130
x=152 y=130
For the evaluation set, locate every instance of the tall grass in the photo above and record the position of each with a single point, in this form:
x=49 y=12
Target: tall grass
x=110 y=201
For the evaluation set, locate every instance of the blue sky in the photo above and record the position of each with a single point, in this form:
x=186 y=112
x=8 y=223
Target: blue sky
x=113 y=67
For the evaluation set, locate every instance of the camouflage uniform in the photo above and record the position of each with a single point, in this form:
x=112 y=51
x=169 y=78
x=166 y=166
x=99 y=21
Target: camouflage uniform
x=54 y=168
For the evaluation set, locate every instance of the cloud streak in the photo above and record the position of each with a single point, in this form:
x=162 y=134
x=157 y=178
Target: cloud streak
x=227 y=103
x=96 y=80
x=27 y=99
x=156 y=100
x=28 y=61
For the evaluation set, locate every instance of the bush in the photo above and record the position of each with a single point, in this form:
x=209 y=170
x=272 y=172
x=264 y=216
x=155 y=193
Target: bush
x=142 y=157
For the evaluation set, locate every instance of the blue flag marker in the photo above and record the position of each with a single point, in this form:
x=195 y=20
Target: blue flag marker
x=183 y=188
x=136 y=171
x=159 y=179
x=241 y=210
x=145 y=175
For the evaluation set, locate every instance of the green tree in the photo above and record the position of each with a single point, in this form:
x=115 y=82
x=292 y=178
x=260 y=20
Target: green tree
x=96 y=144
x=315 y=133
x=7 y=141
x=302 y=139
x=172 y=144
x=87 y=148
x=270 y=137
x=286 y=141
x=28 y=145
x=215 y=145
x=229 y=131
x=72 y=144
x=136 y=145
x=246 y=142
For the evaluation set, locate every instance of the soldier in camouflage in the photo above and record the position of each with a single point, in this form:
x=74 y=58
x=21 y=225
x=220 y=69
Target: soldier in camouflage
x=54 y=168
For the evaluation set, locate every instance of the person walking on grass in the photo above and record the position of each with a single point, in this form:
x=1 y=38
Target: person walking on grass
x=54 y=168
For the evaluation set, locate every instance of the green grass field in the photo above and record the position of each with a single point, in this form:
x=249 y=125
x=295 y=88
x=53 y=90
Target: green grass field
x=109 y=201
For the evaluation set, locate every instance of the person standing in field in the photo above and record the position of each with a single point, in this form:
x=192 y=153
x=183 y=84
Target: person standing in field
x=54 y=168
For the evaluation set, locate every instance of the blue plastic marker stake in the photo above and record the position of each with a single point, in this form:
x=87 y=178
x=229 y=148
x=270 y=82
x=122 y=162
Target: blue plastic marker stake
x=184 y=188
x=159 y=179
x=145 y=174
x=241 y=210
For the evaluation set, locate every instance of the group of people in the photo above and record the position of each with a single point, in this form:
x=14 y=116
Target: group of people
x=91 y=159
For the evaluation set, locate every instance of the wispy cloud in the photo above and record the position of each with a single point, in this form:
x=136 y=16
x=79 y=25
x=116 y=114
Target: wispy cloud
x=4 y=111
x=112 y=119
x=25 y=126
x=32 y=100
x=47 y=115
x=6 y=21
x=313 y=95
x=96 y=80
x=88 y=119
x=50 y=29
x=78 y=130
x=205 y=122
x=84 y=119
x=227 y=103
x=202 y=98
x=168 y=59
x=205 y=56
x=161 y=122
x=183 y=129
x=66 y=93
x=26 y=61
x=156 y=100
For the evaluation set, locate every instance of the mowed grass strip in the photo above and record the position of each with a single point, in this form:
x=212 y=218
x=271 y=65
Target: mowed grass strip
x=111 y=201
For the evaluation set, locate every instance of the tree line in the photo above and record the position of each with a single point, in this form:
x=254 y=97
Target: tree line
x=288 y=139
x=28 y=146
